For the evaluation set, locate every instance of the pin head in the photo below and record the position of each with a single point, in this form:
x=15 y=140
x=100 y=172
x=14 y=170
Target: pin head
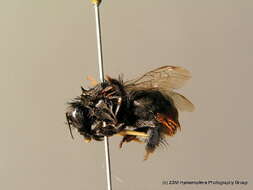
x=96 y=2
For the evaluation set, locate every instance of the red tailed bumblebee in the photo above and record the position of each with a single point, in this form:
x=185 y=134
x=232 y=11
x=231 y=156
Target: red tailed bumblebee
x=144 y=109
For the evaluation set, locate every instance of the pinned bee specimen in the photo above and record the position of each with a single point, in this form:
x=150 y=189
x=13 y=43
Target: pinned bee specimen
x=143 y=110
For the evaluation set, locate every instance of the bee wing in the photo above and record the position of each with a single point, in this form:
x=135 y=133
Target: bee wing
x=166 y=77
x=181 y=102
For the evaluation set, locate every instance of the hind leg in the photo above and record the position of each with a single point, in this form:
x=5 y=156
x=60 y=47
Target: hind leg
x=134 y=135
x=129 y=138
x=152 y=141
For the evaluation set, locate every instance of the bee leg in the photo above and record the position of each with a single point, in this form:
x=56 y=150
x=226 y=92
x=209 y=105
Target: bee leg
x=119 y=101
x=126 y=138
x=152 y=141
x=110 y=94
x=118 y=105
x=133 y=133
x=110 y=130
x=129 y=138
x=107 y=131
x=107 y=89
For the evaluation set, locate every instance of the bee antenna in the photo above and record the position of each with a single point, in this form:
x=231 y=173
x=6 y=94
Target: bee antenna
x=70 y=130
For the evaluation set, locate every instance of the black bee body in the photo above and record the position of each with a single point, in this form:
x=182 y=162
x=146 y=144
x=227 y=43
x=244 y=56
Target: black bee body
x=129 y=109
x=146 y=107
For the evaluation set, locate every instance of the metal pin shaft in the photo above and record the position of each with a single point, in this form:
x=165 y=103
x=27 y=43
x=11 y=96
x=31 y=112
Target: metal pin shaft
x=101 y=76
x=99 y=43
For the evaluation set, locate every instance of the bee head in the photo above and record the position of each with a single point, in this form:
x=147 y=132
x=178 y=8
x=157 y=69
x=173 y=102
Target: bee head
x=77 y=117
